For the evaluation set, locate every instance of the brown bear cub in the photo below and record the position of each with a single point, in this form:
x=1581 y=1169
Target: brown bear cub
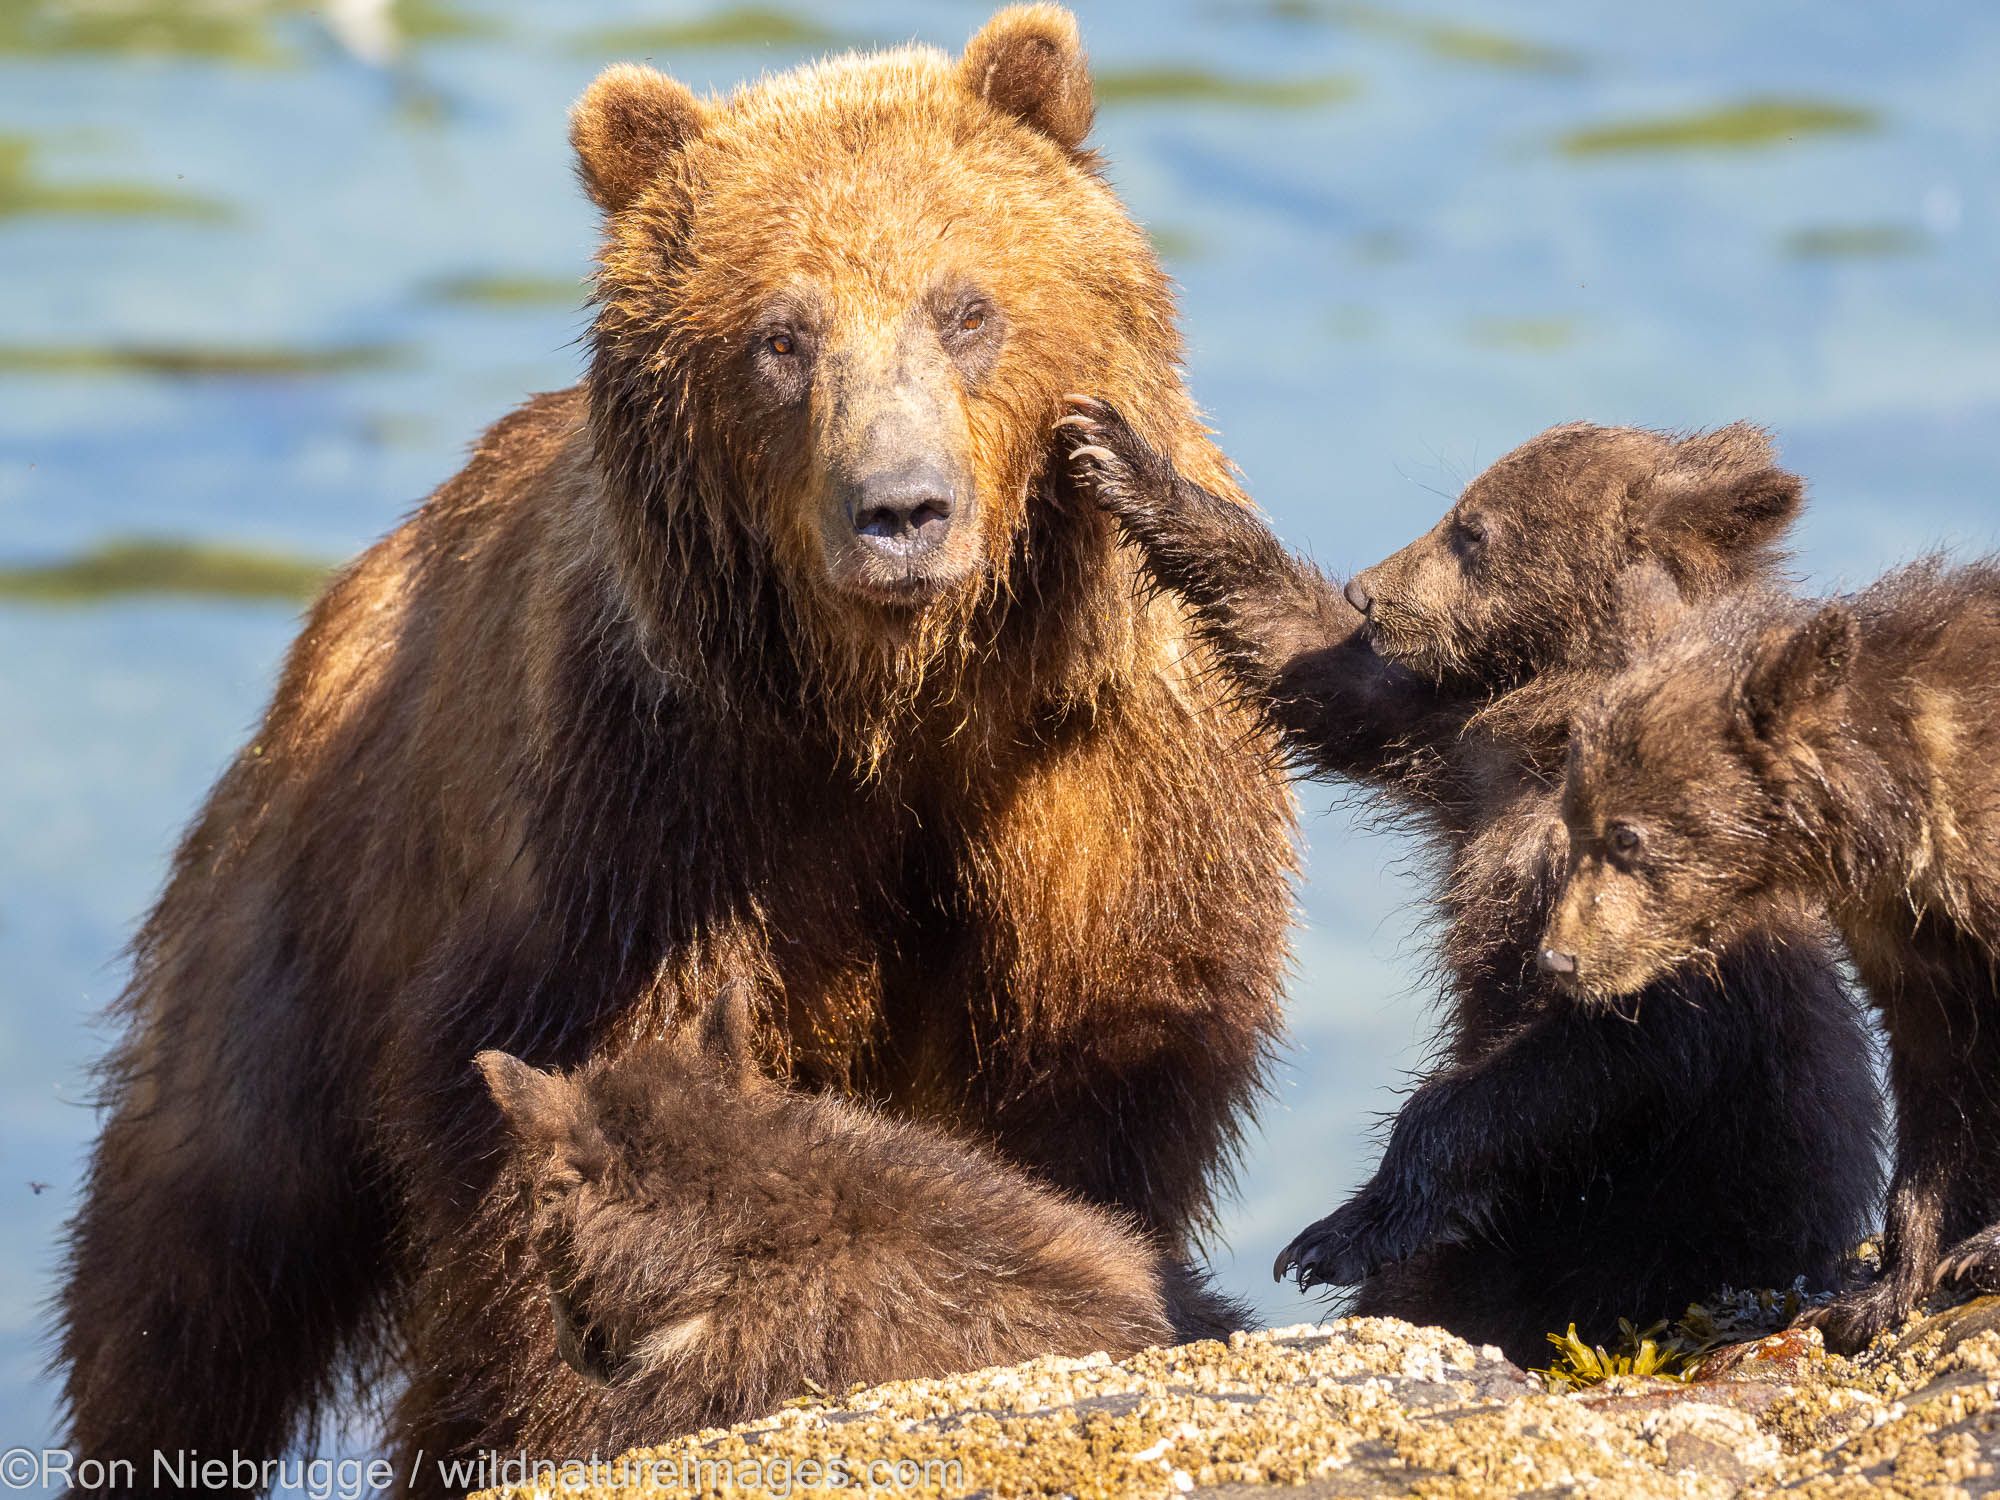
x=1558 y=1164
x=714 y=1243
x=1845 y=755
x=776 y=651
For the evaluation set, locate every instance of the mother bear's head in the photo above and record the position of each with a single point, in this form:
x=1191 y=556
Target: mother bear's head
x=837 y=313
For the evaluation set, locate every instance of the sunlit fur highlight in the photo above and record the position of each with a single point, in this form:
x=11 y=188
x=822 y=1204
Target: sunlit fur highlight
x=722 y=1244
x=1555 y=1164
x=1837 y=754
x=785 y=187
x=580 y=742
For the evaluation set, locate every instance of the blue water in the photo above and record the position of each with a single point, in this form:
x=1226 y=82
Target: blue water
x=1383 y=290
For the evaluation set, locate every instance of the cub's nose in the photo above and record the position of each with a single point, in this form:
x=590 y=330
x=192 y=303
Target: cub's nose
x=905 y=511
x=1553 y=961
x=1357 y=594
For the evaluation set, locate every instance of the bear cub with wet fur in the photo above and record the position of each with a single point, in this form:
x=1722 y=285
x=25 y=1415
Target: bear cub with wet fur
x=1556 y=1164
x=714 y=1244
x=1838 y=753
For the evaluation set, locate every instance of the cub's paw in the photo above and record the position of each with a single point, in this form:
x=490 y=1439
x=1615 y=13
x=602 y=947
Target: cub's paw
x=1371 y=1230
x=1973 y=1264
x=1854 y=1320
x=1113 y=465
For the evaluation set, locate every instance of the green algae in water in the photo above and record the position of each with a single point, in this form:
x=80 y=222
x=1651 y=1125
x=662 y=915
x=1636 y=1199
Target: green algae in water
x=1354 y=323
x=240 y=32
x=1856 y=242
x=25 y=193
x=1728 y=127
x=1523 y=335
x=1381 y=247
x=1173 y=243
x=740 y=26
x=189 y=363
x=1447 y=41
x=127 y=566
x=421 y=21
x=1187 y=84
x=501 y=290
x=146 y=28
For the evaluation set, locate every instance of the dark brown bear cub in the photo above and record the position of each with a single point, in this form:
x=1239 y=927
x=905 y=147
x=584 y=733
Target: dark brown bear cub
x=1844 y=756
x=714 y=1243
x=1559 y=1164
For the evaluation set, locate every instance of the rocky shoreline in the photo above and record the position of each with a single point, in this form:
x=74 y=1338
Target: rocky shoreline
x=1369 y=1407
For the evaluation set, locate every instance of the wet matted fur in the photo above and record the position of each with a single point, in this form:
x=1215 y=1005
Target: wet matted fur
x=1555 y=1165
x=713 y=1243
x=1841 y=753
x=773 y=653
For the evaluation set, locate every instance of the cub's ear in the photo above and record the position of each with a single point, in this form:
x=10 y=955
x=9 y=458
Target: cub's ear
x=627 y=126
x=544 y=1111
x=1028 y=62
x=1797 y=670
x=1721 y=506
x=727 y=1036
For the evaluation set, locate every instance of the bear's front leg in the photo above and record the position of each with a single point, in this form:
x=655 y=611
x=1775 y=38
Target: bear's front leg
x=1124 y=908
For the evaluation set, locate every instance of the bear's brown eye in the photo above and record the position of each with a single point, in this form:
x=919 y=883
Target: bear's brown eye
x=780 y=343
x=1625 y=838
x=973 y=321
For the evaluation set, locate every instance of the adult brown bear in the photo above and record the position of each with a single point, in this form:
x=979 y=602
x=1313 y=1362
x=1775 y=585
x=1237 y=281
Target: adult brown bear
x=773 y=652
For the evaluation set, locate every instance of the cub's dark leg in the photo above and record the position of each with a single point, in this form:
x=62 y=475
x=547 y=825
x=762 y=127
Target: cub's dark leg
x=1469 y=1135
x=1944 y=1035
x=1766 y=1174
x=1573 y=1095
x=1259 y=603
x=1282 y=629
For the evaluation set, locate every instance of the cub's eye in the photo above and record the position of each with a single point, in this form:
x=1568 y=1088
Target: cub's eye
x=1470 y=532
x=1626 y=839
x=781 y=343
x=973 y=321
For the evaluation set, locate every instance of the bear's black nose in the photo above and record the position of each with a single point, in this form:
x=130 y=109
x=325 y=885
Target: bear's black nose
x=1553 y=962
x=906 y=510
x=1358 y=596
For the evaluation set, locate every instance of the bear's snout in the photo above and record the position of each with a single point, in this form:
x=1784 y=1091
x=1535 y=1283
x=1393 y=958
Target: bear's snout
x=904 y=513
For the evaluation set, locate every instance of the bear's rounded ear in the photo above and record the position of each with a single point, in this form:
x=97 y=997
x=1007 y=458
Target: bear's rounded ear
x=627 y=126
x=538 y=1105
x=547 y=1115
x=1721 y=506
x=1797 y=670
x=1028 y=62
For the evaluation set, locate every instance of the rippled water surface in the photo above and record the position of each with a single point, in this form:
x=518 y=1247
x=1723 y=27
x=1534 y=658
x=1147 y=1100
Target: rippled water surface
x=267 y=268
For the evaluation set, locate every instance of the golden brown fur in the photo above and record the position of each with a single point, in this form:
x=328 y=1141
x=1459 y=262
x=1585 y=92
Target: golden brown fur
x=634 y=706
